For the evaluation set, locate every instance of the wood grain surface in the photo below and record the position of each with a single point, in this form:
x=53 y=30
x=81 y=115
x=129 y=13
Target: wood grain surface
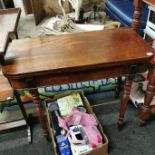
x=6 y=91
x=38 y=10
x=76 y=51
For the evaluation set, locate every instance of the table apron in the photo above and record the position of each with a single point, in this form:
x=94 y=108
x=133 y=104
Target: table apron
x=75 y=76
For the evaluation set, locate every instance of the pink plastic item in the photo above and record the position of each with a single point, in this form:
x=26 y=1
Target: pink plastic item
x=89 y=123
x=94 y=136
x=80 y=118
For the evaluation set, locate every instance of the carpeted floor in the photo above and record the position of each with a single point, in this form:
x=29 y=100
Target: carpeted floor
x=132 y=140
x=15 y=143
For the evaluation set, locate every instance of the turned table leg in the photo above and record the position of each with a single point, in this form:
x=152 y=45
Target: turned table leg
x=39 y=111
x=144 y=112
x=125 y=99
x=138 y=4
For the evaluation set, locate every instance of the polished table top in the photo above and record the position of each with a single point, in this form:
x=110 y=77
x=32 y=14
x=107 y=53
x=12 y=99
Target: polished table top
x=75 y=51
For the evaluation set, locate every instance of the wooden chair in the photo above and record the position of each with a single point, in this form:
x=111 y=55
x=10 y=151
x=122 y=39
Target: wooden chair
x=7 y=93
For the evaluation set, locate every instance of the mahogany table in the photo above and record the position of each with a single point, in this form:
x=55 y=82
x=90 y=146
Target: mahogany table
x=77 y=57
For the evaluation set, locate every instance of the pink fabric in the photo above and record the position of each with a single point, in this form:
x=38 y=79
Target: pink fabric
x=77 y=118
x=89 y=123
x=62 y=123
x=81 y=118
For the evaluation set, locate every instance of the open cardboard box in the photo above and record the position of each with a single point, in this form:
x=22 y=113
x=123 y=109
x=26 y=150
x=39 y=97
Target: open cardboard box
x=102 y=150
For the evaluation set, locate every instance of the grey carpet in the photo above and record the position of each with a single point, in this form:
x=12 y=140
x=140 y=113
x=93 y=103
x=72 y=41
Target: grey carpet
x=132 y=140
x=15 y=143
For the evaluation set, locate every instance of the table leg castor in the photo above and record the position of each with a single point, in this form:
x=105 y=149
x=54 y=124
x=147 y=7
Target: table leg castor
x=120 y=124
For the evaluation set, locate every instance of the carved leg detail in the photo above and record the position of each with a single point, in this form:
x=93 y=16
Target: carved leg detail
x=136 y=20
x=124 y=101
x=39 y=111
x=144 y=112
x=137 y=15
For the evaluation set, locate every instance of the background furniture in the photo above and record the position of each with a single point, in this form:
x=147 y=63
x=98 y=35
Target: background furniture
x=32 y=6
x=28 y=7
x=9 y=19
x=138 y=8
x=7 y=93
x=123 y=10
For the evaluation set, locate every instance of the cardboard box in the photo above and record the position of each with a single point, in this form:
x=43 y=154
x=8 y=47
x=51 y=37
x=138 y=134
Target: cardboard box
x=102 y=150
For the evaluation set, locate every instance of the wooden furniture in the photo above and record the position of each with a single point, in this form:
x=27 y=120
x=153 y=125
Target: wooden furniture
x=7 y=93
x=77 y=57
x=139 y=4
x=4 y=40
x=146 y=110
x=9 y=19
x=28 y=7
x=37 y=8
